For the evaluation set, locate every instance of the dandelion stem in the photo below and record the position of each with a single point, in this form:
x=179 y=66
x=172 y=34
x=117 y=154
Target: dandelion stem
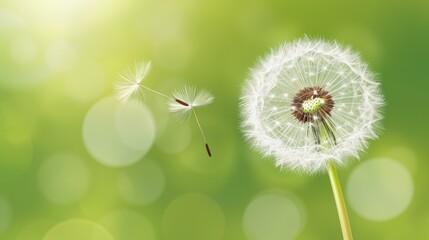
x=154 y=91
x=339 y=201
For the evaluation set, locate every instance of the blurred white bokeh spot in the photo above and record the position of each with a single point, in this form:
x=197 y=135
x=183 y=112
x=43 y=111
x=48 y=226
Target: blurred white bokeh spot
x=61 y=55
x=23 y=49
x=66 y=17
x=142 y=184
x=193 y=217
x=5 y=214
x=19 y=67
x=64 y=178
x=10 y=21
x=78 y=229
x=380 y=189
x=118 y=134
x=135 y=125
x=128 y=225
x=273 y=216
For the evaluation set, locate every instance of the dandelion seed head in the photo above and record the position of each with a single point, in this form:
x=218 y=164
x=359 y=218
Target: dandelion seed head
x=333 y=110
x=130 y=84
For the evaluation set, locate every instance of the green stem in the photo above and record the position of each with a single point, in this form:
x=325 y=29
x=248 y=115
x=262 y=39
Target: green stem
x=339 y=201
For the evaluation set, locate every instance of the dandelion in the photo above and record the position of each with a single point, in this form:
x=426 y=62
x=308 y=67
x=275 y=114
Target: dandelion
x=182 y=102
x=312 y=105
x=185 y=101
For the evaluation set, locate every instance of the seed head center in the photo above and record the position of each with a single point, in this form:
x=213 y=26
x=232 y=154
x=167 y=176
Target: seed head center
x=313 y=105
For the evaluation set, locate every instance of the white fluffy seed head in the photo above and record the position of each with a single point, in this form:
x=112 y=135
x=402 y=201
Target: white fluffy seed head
x=192 y=98
x=130 y=84
x=269 y=93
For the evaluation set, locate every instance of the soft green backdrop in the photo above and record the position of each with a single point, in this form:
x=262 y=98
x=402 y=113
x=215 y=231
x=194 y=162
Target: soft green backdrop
x=60 y=57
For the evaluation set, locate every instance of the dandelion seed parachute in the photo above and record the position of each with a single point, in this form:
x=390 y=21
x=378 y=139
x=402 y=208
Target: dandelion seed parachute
x=130 y=85
x=309 y=102
x=183 y=105
x=187 y=98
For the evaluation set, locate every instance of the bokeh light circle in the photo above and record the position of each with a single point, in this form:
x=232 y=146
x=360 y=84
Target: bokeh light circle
x=128 y=225
x=64 y=178
x=19 y=44
x=118 y=134
x=135 y=126
x=77 y=229
x=193 y=217
x=273 y=216
x=61 y=55
x=23 y=49
x=141 y=184
x=380 y=189
x=5 y=214
x=10 y=22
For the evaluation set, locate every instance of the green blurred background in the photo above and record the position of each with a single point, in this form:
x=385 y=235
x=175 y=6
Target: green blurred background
x=59 y=58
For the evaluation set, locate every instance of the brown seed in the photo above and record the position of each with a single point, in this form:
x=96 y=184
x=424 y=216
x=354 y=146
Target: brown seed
x=208 y=150
x=182 y=102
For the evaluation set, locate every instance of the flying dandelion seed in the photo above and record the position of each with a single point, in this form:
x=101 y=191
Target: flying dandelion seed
x=185 y=101
x=182 y=102
x=312 y=105
x=131 y=83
